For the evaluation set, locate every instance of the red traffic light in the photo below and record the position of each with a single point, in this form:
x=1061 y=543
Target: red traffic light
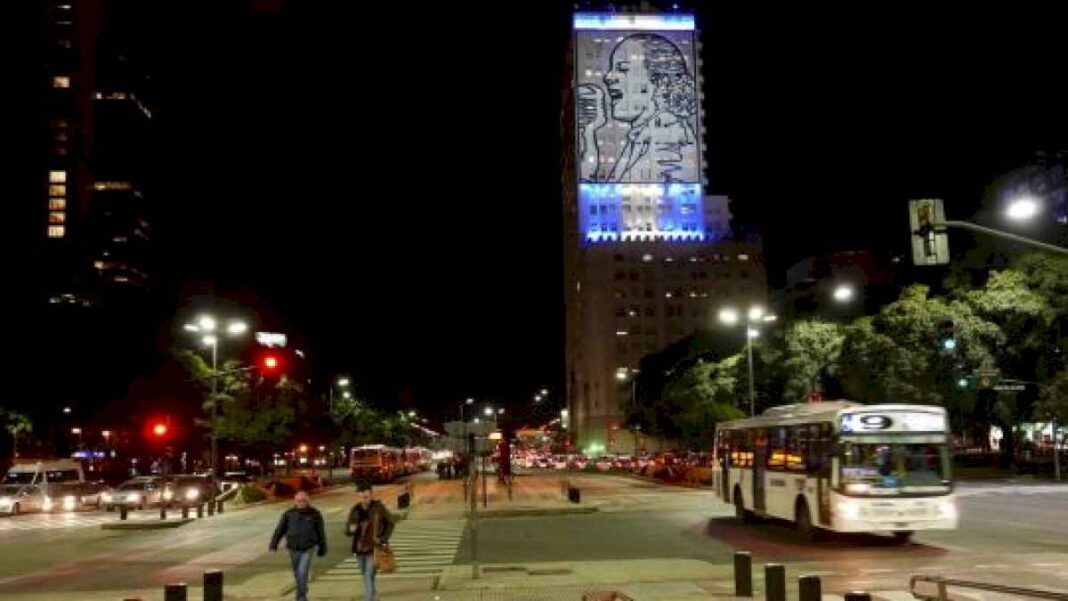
x=271 y=364
x=159 y=429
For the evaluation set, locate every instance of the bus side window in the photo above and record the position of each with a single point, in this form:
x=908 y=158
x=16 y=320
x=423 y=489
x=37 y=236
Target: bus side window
x=776 y=448
x=797 y=448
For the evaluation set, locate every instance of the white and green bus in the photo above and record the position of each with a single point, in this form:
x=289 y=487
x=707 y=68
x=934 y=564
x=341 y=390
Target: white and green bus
x=840 y=466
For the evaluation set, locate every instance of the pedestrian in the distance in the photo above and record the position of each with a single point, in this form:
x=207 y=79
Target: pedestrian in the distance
x=370 y=526
x=302 y=527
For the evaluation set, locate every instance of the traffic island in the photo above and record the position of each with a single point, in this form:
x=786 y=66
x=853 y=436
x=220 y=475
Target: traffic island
x=526 y=512
x=146 y=524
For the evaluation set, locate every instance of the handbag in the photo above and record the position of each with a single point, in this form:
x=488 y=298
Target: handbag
x=384 y=559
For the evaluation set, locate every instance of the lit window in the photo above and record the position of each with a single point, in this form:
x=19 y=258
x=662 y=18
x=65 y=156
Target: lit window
x=98 y=265
x=57 y=190
x=56 y=231
x=60 y=81
x=646 y=258
x=57 y=177
x=112 y=186
x=621 y=332
x=743 y=257
x=57 y=204
x=57 y=218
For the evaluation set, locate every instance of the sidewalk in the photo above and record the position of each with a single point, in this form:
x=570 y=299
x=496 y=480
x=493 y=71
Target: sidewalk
x=441 y=499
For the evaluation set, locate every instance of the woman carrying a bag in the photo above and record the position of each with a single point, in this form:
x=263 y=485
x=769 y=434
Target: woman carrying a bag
x=370 y=527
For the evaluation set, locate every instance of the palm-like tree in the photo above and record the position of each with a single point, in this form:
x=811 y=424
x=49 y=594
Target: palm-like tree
x=16 y=423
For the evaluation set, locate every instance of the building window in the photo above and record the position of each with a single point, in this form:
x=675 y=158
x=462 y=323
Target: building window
x=57 y=218
x=57 y=190
x=57 y=204
x=57 y=177
x=60 y=81
x=743 y=257
x=56 y=231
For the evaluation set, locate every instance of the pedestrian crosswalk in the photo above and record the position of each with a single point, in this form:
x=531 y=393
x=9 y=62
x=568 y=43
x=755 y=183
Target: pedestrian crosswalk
x=423 y=548
x=1011 y=489
x=52 y=521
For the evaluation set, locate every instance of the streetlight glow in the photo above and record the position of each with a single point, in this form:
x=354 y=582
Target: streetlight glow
x=346 y=395
x=755 y=313
x=843 y=293
x=771 y=317
x=728 y=316
x=488 y=411
x=236 y=328
x=469 y=401
x=544 y=391
x=209 y=340
x=1022 y=208
x=343 y=382
x=75 y=430
x=206 y=323
x=752 y=333
x=191 y=327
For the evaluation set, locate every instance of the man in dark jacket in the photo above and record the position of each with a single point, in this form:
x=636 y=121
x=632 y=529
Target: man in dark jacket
x=302 y=526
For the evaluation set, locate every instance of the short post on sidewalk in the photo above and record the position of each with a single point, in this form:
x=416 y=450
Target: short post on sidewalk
x=123 y=512
x=743 y=574
x=175 y=592
x=857 y=596
x=219 y=507
x=211 y=508
x=200 y=510
x=213 y=585
x=809 y=588
x=774 y=582
x=162 y=512
x=185 y=512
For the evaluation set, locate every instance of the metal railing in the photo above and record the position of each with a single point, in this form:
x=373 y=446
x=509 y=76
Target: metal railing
x=944 y=583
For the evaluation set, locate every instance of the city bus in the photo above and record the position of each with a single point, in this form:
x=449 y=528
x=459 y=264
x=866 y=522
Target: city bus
x=376 y=463
x=840 y=466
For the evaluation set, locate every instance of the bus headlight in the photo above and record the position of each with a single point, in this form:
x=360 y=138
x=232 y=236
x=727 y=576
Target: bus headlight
x=69 y=503
x=858 y=488
x=849 y=509
x=947 y=509
x=106 y=497
x=168 y=494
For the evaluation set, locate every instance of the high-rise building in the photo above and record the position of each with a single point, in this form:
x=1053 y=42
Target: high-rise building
x=649 y=256
x=95 y=220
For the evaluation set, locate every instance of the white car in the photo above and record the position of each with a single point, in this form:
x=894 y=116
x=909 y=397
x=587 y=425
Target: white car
x=19 y=498
x=137 y=493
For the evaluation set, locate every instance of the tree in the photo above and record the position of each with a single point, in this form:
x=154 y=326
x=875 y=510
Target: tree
x=813 y=348
x=696 y=399
x=16 y=424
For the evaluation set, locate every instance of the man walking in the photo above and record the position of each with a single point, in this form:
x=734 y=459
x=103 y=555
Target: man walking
x=370 y=527
x=302 y=526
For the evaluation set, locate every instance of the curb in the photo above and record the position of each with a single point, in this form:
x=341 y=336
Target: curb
x=533 y=512
x=147 y=524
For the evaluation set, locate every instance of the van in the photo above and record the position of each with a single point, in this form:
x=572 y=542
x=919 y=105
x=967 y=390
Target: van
x=44 y=485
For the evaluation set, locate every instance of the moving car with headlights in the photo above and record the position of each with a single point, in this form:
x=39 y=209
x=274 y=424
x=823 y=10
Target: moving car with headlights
x=44 y=485
x=189 y=491
x=136 y=493
x=18 y=498
x=840 y=466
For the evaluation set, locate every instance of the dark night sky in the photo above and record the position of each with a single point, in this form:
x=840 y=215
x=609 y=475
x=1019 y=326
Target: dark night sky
x=387 y=177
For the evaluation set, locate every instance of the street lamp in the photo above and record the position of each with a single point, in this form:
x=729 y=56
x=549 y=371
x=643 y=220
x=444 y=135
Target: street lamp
x=756 y=314
x=1023 y=208
x=843 y=293
x=343 y=382
x=488 y=411
x=78 y=433
x=206 y=324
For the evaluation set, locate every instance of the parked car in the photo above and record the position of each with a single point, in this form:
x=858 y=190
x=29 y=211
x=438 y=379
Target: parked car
x=91 y=494
x=21 y=498
x=136 y=493
x=559 y=462
x=234 y=479
x=577 y=462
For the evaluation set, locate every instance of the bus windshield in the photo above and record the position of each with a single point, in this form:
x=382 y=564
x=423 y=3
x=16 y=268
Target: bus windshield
x=367 y=456
x=888 y=468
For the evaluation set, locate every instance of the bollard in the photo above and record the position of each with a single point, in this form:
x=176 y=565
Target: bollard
x=185 y=512
x=574 y=495
x=162 y=512
x=213 y=585
x=743 y=574
x=211 y=509
x=857 y=596
x=175 y=592
x=123 y=512
x=774 y=582
x=809 y=589
x=404 y=501
x=219 y=507
x=200 y=510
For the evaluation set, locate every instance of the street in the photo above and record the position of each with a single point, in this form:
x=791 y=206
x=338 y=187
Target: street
x=1010 y=533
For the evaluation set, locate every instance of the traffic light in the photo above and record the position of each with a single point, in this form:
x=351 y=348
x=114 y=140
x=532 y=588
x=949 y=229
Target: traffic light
x=271 y=364
x=962 y=382
x=159 y=429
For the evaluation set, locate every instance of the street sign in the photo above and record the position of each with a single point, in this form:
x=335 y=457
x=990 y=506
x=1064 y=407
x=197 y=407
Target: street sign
x=1009 y=387
x=930 y=242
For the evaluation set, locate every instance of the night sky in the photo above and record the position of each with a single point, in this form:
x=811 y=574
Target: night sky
x=387 y=177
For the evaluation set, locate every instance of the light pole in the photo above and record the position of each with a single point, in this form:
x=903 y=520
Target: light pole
x=206 y=325
x=343 y=383
x=754 y=316
x=77 y=432
x=843 y=293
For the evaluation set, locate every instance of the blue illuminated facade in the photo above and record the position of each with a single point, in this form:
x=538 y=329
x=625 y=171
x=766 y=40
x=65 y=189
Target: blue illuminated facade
x=641 y=212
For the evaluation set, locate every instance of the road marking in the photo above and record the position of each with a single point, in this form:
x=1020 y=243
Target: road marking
x=423 y=549
x=1047 y=565
x=992 y=566
x=877 y=570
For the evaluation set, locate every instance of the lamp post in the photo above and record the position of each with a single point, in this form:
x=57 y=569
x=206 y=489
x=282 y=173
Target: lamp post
x=754 y=316
x=206 y=325
x=77 y=432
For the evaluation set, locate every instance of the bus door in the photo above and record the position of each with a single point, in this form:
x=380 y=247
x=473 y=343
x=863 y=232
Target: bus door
x=760 y=459
x=723 y=457
x=823 y=452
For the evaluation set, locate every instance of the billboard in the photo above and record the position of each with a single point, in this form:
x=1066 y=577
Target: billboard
x=636 y=99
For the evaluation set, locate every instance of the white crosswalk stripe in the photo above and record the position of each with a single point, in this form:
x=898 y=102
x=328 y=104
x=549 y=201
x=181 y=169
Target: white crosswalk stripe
x=1034 y=489
x=423 y=549
x=45 y=522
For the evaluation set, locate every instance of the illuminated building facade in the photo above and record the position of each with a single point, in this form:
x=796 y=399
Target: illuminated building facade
x=649 y=255
x=95 y=218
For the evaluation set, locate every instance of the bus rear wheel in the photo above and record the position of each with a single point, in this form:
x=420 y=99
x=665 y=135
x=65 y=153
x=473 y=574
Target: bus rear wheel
x=740 y=511
x=902 y=536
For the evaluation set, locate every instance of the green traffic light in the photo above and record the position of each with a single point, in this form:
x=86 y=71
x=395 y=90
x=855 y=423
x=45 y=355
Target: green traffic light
x=949 y=343
x=963 y=382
